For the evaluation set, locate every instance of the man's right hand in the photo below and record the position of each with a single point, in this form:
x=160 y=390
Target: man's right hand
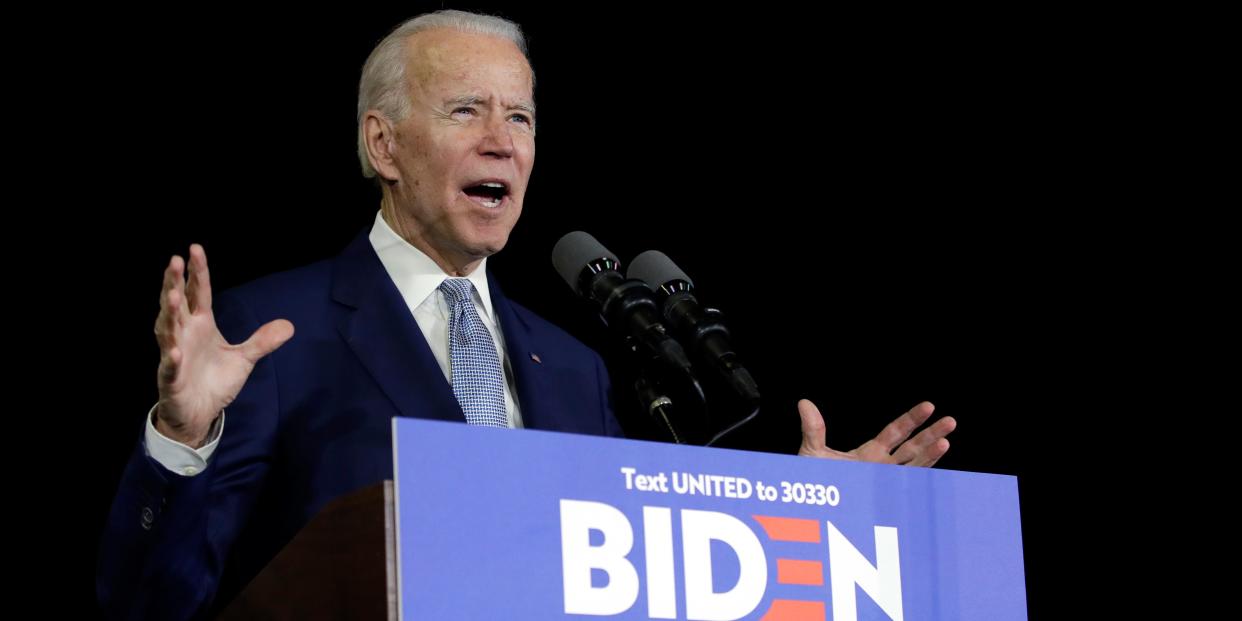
x=200 y=373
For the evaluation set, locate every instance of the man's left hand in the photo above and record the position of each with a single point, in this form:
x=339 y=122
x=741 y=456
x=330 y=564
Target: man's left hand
x=893 y=445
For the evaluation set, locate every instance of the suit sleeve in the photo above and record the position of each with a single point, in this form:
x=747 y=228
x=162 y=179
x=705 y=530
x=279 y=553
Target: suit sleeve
x=167 y=537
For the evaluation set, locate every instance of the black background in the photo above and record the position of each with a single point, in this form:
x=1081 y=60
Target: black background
x=889 y=208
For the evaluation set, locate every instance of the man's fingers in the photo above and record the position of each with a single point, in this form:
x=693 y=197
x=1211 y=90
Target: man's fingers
x=179 y=299
x=176 y=305
x=266 y=339
x=172 y=274
x=813 y=429
x=897 y=431
x=198 y=287
x=169 y=319
x=165 y=323
x=929 y=457
x=928 y=446
x=172 y=293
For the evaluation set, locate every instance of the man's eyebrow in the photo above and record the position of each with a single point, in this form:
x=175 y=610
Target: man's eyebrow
x=464 y=100
x=475 y=100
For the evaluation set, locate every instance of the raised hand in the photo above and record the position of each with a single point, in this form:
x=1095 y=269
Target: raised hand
x=893 y=445
x=200 y=373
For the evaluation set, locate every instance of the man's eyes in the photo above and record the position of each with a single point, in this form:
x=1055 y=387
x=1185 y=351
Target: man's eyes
x=518 y=117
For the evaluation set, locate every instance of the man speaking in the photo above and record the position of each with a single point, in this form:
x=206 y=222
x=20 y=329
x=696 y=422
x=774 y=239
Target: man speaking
x=277 y=397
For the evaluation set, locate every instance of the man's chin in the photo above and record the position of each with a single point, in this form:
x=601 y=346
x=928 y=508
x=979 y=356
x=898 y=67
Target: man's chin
x=486 y=247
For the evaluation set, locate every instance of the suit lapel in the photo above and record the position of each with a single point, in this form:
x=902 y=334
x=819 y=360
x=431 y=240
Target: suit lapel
x=529 y=373
x=377 y=325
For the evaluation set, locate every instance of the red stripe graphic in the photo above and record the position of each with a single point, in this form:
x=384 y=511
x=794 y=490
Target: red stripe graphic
x=795 y=610
x=790 y=571
x=789 y=529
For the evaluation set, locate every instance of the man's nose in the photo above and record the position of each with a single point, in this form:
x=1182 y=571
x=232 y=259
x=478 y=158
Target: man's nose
x=497 y=140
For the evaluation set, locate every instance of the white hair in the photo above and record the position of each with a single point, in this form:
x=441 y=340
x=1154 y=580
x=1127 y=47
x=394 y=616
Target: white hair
x=383 y=86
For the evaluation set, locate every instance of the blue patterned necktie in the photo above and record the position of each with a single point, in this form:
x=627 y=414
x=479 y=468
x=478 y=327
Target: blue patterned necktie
x=477 y=379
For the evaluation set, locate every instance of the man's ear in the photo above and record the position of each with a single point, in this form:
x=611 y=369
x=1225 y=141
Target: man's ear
x=379 y=137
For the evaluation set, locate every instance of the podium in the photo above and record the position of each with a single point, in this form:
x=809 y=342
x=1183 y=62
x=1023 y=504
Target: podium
x=499 y=524
x=342 y=565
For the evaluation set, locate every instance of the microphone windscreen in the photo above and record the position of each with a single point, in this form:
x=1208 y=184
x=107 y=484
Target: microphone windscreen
x=655 y=268
x=573 y=252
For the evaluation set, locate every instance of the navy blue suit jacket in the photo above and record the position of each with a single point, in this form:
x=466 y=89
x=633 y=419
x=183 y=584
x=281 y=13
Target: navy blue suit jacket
x=312 y=423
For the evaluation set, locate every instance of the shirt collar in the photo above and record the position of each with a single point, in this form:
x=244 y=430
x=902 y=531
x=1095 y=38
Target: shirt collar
x=414 y=273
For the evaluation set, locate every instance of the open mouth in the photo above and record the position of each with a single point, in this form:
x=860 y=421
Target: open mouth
x=488 y=193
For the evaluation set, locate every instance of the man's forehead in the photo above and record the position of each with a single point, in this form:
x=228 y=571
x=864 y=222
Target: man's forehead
x=445 y=54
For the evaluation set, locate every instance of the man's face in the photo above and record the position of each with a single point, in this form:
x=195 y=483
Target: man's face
x=465 y=152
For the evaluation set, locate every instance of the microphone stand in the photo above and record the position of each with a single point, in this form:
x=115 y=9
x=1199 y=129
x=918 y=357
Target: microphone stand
x=679 y=404
x=657 y=404
x=670 y=394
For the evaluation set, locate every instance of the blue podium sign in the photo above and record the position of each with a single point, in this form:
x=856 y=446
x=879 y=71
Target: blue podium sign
x=505 y=524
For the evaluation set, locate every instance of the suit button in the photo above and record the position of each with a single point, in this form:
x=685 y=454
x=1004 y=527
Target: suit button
x=147 y=518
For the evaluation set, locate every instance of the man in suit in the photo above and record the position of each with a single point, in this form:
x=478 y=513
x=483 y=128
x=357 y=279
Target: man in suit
x=249 y=441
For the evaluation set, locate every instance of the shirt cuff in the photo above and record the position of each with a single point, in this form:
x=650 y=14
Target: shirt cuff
x=177 y=457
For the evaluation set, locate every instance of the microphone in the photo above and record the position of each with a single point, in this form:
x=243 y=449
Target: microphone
x=701 y=329
x=628 y=306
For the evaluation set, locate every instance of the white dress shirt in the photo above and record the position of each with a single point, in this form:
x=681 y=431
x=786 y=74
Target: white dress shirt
x=417 y=278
